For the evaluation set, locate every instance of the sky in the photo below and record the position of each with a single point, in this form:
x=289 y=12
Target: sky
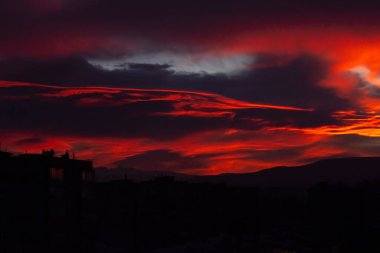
x=196 y=87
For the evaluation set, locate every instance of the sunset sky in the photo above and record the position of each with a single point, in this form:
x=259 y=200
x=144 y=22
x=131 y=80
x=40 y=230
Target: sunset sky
x=197 y=87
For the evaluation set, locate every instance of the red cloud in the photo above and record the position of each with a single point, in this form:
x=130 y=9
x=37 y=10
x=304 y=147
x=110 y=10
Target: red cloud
x=211 y=150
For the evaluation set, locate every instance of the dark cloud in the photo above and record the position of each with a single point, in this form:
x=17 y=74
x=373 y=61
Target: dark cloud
x=366 y=88
x=295 y=82
x=68 y=116
x=77 y=71
x=61 y=27
x=164 y=160
x=290 y=118
x=148 y=67
x=30 y=141
x=357 y=144
x=136 y=113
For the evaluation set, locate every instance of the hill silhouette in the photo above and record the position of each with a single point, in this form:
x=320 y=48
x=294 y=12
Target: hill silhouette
x=104 y=174
x=340 y=170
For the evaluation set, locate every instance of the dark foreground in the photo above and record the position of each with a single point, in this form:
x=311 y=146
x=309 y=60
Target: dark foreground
x=60 y=211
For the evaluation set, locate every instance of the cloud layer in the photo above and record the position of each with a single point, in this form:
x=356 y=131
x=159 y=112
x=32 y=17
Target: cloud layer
x=193 y=86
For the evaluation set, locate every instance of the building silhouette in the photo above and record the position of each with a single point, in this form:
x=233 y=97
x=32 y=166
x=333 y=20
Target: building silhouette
x=50 y=204
x=41 y=201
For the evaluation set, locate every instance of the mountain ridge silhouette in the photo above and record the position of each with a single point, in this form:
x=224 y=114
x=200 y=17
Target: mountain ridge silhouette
x=349 y=170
